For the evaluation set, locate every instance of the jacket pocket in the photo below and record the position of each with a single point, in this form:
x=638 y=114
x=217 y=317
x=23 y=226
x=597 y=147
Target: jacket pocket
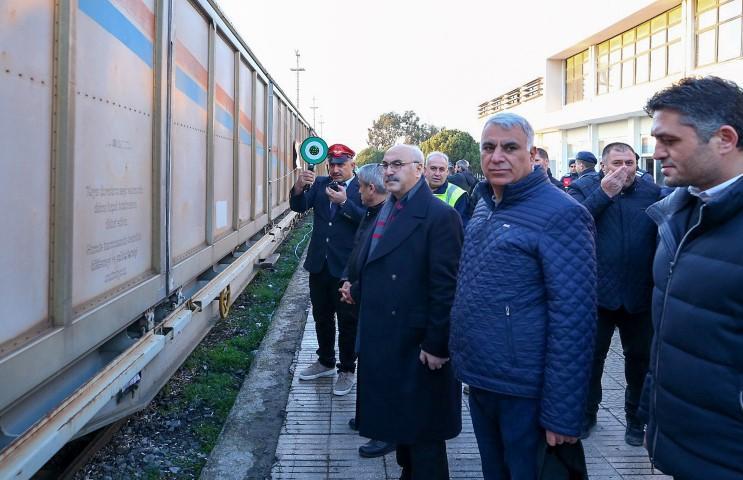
x=509 y=337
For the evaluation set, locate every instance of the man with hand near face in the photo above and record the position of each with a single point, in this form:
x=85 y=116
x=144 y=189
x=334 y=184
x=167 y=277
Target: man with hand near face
x=625 y=243
x=447 y=192
x=521 y=338
x=338 y=211
x=407 y=273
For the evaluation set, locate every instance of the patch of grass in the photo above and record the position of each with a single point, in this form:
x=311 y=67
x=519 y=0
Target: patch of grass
x=207 y=433
x=216 y=370
x=152 y=473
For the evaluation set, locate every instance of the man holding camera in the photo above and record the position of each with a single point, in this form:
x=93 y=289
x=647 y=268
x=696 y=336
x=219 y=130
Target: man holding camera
x=337 y=208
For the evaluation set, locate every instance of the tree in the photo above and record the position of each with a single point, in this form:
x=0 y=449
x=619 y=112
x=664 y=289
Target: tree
x=391 y=126
x=369 y=155
x=457 y=145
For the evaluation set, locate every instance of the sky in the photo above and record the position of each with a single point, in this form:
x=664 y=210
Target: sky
x=438 y=58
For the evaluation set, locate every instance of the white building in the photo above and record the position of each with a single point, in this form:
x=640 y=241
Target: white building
x=593 y=92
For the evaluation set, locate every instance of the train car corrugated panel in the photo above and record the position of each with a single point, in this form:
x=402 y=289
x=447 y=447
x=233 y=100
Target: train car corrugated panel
x=189 y=131
x=282 y=155
x=224 y=115
x=113 y=165
x=25 y=136
x=273 y=173
x=245 y=158
x=260 y=148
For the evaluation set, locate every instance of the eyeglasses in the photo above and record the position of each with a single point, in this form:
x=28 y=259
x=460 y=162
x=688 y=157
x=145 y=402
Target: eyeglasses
x=394 y=166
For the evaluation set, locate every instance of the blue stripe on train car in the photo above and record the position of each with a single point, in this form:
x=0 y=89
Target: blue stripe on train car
x=113 y=21
x=245 y=136
x=224 y=117
x=190 y=88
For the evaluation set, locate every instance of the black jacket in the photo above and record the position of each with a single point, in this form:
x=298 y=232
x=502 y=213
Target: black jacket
x=332 y=238
x=694 y=390
x=464 y=180
x=407 y=289
x=625 y=241
x=351 y=273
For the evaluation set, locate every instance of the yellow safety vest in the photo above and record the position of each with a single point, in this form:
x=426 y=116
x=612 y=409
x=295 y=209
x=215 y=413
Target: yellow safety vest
x=451 y=195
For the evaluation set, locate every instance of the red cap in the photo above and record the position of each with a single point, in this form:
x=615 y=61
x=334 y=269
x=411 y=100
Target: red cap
x=339 y=153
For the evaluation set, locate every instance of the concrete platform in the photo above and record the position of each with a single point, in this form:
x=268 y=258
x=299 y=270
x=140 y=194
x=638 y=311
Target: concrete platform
x=316 y=443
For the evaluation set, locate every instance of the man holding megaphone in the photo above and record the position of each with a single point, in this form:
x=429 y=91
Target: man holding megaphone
x=338 y=210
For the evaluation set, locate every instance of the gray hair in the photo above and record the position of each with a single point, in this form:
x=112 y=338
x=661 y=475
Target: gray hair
x=463 y=164
x=370 y=174
x=507 y=121
x=438 y=154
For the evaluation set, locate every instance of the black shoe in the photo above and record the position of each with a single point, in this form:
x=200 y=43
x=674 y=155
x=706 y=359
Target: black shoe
x=352 y=425
x=376 y=448
x=588 y=423
x=635 y=434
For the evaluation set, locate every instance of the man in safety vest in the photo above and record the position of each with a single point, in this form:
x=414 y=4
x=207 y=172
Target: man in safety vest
x=436 y=171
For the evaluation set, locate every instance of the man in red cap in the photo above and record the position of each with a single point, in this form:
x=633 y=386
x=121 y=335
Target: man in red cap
x=337 y=212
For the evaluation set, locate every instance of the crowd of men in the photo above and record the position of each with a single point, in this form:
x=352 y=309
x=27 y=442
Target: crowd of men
x=437 y=279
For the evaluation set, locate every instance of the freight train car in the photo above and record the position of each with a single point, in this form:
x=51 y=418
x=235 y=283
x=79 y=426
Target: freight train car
x=146 y=162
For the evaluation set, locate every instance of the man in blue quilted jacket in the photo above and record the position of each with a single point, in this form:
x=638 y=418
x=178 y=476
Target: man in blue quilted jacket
x=694 y=389
x=520 y=337
x=617 y=199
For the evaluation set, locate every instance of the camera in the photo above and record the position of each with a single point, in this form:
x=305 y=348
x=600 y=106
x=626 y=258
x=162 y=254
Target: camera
x=334 y=186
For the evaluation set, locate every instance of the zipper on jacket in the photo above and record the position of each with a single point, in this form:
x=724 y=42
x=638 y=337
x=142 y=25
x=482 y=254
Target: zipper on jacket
x=509 y=335
x=660 y=325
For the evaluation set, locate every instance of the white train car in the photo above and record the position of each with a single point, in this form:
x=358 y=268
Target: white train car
x=143 y=147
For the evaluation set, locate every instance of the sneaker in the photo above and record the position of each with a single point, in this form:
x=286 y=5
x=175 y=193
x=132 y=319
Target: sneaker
x=635 y=434
x=344 y=384
x=588 y=423
x=316 y=370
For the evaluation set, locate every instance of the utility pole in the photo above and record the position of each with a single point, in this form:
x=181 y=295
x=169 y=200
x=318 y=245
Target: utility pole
x=322 y=122
x=313 y=107
x=296 y=52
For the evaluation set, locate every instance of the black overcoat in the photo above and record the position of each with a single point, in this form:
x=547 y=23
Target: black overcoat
x=407 y=287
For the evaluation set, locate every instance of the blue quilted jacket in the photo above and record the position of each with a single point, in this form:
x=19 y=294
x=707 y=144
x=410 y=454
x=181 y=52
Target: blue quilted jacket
x=524 y=315
x=625 y=242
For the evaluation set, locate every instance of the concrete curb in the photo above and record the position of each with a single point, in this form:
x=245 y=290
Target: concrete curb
x=247 y=444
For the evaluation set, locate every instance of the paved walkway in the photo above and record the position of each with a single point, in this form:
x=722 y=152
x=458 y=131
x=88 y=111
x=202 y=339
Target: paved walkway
x=316 y=443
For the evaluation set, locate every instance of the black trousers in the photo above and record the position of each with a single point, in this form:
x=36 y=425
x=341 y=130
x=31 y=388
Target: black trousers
x=423 y=461
x=636 y=333
x=326 y=305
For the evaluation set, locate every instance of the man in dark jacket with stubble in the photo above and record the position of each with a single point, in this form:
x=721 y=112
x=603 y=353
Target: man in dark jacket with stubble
x=521 y=338
x=625 y=242
x=407 y=273
x=694 y=391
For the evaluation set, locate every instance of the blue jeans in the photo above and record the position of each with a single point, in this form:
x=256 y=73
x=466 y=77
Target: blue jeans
x=508 y=434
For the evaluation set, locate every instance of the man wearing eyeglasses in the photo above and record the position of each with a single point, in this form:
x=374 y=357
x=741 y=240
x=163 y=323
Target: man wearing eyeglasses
x=410 y=396
x=336 y=203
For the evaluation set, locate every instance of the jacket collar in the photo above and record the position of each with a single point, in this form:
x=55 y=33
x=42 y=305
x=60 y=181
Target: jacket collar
x=515 y=192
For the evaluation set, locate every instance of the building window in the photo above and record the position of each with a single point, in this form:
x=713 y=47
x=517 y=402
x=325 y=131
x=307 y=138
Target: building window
x=650 y=51
x=718 y=27
x=576 y=77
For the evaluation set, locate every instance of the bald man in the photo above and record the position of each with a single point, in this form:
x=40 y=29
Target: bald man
x=407 y=276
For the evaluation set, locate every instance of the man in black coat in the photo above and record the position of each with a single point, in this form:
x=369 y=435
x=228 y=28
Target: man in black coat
x=542 y=159
x=337 y=207
x=407 y=277
x=463 y=177
x=694 y=390
x=373 y=194
x=625 y=242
